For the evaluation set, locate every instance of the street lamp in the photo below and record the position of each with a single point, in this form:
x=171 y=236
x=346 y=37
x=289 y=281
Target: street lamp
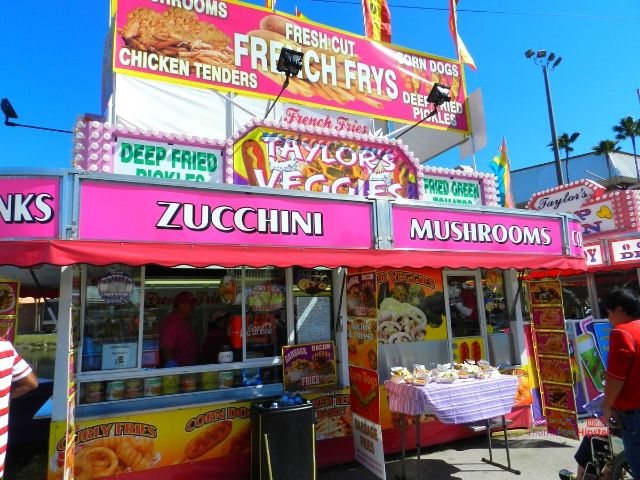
x=10 y=114
x=546 y=62
x=438 y=95
x=289 y=63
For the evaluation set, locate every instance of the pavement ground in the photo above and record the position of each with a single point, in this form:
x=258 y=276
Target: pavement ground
x=536 y=454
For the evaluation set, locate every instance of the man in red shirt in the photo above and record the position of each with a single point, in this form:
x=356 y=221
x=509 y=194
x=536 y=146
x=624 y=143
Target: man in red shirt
x=178 y=341
x=622 y=387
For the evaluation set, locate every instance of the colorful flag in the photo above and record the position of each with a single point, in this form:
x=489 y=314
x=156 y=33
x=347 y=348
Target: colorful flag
x=377 y=20
x=501 y=167
x=299 y=14
x=463 y=54
x=270 y=4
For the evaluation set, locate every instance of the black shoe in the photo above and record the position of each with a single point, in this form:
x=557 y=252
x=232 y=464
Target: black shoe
x=566 y=474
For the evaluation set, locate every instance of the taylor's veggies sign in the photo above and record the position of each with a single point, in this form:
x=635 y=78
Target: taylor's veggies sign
x=285 y=159
x=234 y=46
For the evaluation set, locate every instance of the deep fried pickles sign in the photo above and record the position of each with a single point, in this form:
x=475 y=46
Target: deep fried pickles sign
x=292 y=160
x=235 y=47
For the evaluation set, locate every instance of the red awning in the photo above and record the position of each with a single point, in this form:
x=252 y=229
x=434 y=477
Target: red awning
x=68 y=252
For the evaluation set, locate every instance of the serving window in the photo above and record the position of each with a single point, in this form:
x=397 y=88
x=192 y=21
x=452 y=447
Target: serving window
x=229 y=324
x=494 y=301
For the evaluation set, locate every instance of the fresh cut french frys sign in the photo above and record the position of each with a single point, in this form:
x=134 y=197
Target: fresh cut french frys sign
x=168 y=161
x=458 y=191
x=234 y=46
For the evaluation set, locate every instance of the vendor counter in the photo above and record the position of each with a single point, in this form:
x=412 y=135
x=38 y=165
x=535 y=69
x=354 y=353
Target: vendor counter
x=183 y=435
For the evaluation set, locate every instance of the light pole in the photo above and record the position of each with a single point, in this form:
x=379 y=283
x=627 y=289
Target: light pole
x=10 y=114
x=541 y=59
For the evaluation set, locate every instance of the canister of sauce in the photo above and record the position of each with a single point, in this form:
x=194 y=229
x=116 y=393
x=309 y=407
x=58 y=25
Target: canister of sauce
x=115 y=390
x=93 y=392
x=133 y=388
x=209 y=380
x=188 y=383
x=170 y=384
x=225 y=379
x=152 y=387
x=225 y=355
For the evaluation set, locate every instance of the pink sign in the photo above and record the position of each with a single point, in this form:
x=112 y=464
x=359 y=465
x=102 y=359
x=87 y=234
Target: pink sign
x=280 y=158
x=135 y=212
x=235 y=46
x=29 y=207
x=430 y=229
x=576 y=248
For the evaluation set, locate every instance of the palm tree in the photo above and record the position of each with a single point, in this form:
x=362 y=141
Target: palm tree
x=564 y=143
x=627 y=127
x=605 y=147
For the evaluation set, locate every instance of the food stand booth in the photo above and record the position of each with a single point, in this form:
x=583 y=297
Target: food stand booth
x=377 y=281
x=331 y=251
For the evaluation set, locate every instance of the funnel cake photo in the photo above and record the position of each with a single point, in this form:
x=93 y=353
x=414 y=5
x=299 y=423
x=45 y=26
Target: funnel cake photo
x=177 y=33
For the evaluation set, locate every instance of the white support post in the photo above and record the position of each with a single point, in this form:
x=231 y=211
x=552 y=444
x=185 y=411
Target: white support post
x=516 y=324
x=61 y=372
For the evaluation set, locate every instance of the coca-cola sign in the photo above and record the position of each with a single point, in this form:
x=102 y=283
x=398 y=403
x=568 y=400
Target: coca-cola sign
x=261 y=329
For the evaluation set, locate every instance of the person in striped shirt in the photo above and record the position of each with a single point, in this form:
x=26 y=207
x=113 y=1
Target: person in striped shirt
x=16 y=379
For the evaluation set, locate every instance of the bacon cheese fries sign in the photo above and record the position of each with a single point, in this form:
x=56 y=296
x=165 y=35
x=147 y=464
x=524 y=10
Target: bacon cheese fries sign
x=291 y=160
x=551 y=350
x=309 y=366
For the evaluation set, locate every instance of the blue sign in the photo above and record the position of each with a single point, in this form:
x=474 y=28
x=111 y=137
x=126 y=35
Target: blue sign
x=601 y=331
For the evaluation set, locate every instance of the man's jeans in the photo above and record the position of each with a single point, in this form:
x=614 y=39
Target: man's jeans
x=630 y=423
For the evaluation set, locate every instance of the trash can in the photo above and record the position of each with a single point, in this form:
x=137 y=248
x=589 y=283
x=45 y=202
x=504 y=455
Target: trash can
x=283 y=440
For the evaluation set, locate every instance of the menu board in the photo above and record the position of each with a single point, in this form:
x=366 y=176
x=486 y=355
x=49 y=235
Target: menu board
x=551 y=343
x=309 y=366
x=551 y=349
x=362 y=341
x=313 y=319
x=554 y=369
x=361 y=295
x=365 y=394
x=362 y=320
x=548 y=317
x=365 y=409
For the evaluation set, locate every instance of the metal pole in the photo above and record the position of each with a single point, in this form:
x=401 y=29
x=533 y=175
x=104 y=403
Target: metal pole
x=554 y=139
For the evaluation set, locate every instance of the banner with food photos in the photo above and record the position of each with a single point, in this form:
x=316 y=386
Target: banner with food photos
x=108 y=447
x=411 y=305
x=9 y=302
x=362 y=331
x=235 y=46
x=551 y=349
x=333 y=413
x=145 y=441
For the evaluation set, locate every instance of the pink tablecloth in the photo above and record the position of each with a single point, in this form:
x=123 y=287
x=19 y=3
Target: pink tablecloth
x=463 y=401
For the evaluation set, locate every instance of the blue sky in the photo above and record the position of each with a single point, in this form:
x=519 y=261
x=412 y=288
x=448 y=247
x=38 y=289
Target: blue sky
x=52 y=64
